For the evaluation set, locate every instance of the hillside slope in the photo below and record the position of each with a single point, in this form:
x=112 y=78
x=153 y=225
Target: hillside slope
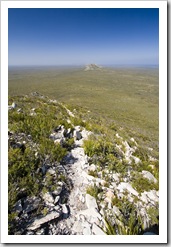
x=72 y=174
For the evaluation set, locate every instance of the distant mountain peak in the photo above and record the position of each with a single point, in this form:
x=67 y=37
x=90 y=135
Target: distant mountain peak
x=92 y=66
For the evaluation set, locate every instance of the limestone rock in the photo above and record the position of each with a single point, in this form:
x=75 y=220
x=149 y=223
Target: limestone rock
x=144 y=197
x=149 y=176
x=91 y=202
x=92 y=167
x=126 y=186
x=38 y=222
x=87 y=231
x=77 y=135
x=48 y=197
x=97 y=231
x=77 y=227
x=152 y=195
x=14 y=105
x=115 y=177
x=109 y=195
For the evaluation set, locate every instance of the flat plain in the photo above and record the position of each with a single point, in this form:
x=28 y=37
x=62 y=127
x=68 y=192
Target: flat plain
x=126 y=97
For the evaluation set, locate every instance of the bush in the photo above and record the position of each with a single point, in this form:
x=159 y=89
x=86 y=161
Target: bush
x=94 y=191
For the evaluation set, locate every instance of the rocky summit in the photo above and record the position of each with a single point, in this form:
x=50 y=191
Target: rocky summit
x=92 y=66
x=68 y=176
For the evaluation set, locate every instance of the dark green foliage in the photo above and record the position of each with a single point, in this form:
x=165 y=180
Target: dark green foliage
x=142 y=184
x=23 y=165
x=128 y=223
x=93 y=191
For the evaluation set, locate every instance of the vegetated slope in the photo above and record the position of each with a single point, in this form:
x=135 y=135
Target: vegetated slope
x=72 y=174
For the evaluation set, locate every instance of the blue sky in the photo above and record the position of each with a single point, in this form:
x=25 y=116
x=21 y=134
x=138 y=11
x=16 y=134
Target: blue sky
x=82 y=36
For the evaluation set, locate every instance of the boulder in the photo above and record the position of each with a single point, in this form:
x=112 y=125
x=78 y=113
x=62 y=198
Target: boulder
x=31 y=204
x=152 y=195
x=40 y=221
x=149 y=176
x=14 y=105
x=91 y=202
x=91 y=213
x=77 y=135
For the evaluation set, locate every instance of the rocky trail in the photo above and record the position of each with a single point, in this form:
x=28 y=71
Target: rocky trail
x=84 y=216
x=69 y=209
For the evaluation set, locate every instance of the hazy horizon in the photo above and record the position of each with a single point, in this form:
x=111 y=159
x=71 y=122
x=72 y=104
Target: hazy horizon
x=76 y=37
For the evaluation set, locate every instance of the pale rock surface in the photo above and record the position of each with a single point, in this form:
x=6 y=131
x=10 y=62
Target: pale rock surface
x=126 y=186
x=97 y=231
x=149 y=176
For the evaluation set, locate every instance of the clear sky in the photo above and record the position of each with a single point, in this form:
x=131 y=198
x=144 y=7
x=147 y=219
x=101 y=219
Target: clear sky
x=83 y=36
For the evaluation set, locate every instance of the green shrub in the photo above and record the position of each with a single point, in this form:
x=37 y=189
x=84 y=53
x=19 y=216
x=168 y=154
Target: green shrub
x=93 y=191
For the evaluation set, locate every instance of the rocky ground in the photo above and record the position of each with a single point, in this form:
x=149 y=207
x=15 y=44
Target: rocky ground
x=70 y=209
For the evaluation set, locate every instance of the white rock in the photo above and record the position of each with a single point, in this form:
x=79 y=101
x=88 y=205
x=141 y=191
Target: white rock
x=97 y=231
x=77 y=227
x=56 y=199
x=38 y=222
x=149 y=176
x=116 y=210
x=58 y=191
x=152 y=195
x=77 y=135
x=126 y=186
x=65 y=210
x=87 y=231
x=143 y=197
x=48 y=197
x=115 y=177
x=136 y=159
x=51 y=171
x=14 y=105
x=92 y=167
x=91 y=202
x=90 y=212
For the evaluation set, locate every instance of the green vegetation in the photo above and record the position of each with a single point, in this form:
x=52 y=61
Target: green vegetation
x=142 y=184
x=122 y=97
x=93 y=191
x=127 y=223
x=115 y=101
x=32 y=133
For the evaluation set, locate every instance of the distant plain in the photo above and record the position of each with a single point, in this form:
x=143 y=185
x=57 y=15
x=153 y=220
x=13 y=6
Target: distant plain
x=126 y=97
